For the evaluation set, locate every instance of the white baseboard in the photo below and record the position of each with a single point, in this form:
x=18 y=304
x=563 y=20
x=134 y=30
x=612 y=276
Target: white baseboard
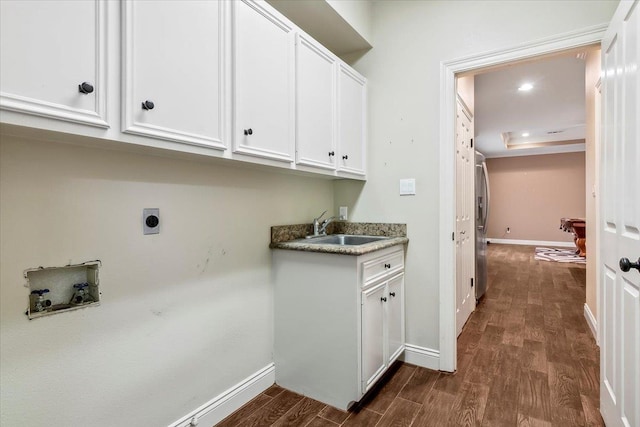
x=544 y=243
x=230 y=400
x=592 y=322
x=422 y=356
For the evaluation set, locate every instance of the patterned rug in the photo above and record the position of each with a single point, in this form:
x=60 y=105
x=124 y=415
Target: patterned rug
x=559 y=255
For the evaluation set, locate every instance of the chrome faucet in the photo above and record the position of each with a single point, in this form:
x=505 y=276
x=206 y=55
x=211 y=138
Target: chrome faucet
x=320 y=229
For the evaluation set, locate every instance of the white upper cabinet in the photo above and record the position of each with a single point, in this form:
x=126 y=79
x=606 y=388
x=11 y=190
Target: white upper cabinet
x=351 y=121
x=315 y=104
x=53 y=59
x=264 y=47
x=183 y=75
x=173 y=71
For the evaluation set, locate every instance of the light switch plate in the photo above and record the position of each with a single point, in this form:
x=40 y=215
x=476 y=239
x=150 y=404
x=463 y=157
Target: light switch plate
x=151 y=221
x=408 y=187
x=344 y=213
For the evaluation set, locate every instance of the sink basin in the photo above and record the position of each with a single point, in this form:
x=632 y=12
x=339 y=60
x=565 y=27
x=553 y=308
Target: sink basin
x=344 y=240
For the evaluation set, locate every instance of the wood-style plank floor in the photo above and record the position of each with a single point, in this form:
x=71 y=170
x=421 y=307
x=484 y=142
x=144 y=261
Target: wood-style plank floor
x=526 y=357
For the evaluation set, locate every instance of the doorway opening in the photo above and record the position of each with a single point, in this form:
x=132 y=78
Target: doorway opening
x=449 y=71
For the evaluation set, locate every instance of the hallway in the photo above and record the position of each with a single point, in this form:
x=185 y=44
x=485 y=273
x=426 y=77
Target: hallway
x=525 y=358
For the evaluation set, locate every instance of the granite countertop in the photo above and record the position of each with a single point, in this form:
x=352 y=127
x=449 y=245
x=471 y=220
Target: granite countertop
x=292 y=237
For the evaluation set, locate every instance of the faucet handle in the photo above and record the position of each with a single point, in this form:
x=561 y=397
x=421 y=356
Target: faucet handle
x=321 y=215
x=328 y=220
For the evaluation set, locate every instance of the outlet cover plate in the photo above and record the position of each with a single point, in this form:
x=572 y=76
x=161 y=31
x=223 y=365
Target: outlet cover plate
x=149 y=224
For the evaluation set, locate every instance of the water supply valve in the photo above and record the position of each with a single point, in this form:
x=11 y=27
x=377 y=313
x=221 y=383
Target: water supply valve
x=80 y=294
x=41 y=303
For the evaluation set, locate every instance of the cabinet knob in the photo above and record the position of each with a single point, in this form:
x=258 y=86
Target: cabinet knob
x=393 y=294
x=248 y=131
x=345 y=157
x=626 y=265
x=383 y=299
x=387 y=266
x=148 y=105
x=85 y=87
x=332 y=153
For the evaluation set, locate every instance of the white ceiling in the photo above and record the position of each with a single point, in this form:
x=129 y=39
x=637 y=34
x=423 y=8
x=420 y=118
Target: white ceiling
x=553 y=112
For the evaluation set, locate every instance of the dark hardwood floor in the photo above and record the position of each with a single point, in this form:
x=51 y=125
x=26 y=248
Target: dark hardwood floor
x=525 y=358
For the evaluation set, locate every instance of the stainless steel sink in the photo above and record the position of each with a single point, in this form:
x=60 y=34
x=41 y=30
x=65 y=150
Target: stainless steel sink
x=344 y=240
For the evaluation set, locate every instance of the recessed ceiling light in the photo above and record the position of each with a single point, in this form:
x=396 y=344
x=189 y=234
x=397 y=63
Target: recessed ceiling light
x=525 y=134
x=526 y=87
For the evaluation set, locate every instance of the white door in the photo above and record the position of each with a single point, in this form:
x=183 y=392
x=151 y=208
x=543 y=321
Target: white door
x=173 y=71
x=53 y=59
x=373 y=362
x=395 y=318
x=352 y=108
x=620 y=220
x=315 y=104
x=264 y=47
x=465 y=243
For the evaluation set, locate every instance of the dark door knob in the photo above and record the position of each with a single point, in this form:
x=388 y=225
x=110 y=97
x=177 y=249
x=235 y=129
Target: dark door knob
x=85 y=87
x=345 y=157
x=387 y=266
x=248 y=131
x=393 y=294
x=626 y=265
x=383 y=299
x=332 y=153
x=148 y=105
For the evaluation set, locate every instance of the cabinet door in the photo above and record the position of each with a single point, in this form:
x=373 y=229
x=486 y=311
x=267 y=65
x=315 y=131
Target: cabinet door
x=48 y=49
x=173 y=61
x=315 y=104
x=395 y=317
x=264 y=48
x=373 y=358
x=351 y=121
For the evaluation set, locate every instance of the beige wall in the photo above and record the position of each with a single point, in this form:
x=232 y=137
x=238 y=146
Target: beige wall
x=529 y=194
x=592 y=125
x=184 y=314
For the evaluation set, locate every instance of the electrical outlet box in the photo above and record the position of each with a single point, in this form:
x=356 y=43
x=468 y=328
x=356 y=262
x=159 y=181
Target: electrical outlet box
x=56 y=289
x=151 y=221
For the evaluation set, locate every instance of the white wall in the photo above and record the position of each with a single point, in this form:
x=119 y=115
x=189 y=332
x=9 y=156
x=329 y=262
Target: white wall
x=357 y=13
x=184 y=314
x=411 y=39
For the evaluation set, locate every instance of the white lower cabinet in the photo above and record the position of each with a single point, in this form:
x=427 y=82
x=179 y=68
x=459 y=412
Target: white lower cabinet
x=382 y=328
x=337 y=327
x=373 y=360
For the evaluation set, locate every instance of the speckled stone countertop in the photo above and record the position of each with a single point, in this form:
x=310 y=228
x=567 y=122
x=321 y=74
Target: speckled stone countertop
x=292 y=237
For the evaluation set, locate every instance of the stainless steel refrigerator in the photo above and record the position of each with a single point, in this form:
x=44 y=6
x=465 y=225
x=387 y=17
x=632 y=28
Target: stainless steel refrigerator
x=482 y=196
